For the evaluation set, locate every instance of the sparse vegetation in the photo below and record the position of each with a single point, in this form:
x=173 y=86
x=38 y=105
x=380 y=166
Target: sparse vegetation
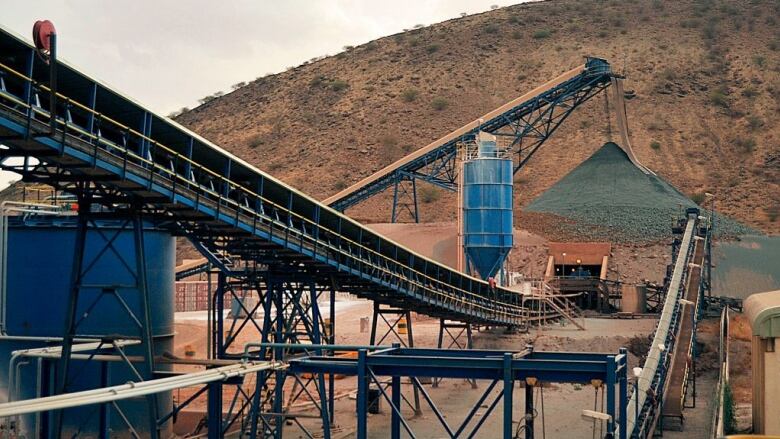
x=338 y=85
x=773 y=213
x=542 y=33
x=750 y=92
x=755 y=122
x=668 y=74
x=759 y=61
x=322 y=81
x=745 y=144
x=432 y=48
x=690 y=24
x=439 y=103
x=698 y=197
x=409 y=95
x=491 y=28
x=729 y=410
x=429 y=194
x=710 y=31
x=238 y=85
x=516 y=34
x=340 y=185
x=388 y=141
x=255 y=141
x=656 y=145
x=719 y=98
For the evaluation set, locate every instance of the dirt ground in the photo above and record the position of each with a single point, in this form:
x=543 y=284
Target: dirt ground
x=562 y=402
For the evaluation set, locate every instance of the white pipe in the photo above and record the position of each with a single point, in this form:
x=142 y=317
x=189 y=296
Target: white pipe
x=15 y=355
x=133 y=389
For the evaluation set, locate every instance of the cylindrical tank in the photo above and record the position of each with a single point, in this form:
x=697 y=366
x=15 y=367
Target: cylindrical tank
x=487 y=208
x=39 y=266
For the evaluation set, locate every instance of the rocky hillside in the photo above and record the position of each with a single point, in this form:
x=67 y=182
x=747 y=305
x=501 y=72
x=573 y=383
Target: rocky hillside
x=705 y=117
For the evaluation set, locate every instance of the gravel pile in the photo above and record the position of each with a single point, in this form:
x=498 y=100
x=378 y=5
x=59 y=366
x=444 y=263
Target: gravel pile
x=610 y=199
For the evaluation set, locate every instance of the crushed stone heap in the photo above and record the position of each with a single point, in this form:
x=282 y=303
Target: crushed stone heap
x=611 y=199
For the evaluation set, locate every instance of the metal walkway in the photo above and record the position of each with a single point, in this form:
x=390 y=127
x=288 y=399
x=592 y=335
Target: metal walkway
x=238 y=215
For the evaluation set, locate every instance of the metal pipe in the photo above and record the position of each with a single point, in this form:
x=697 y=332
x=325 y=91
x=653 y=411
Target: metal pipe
x=133 y=389
x=303 y=347
x=40 y=352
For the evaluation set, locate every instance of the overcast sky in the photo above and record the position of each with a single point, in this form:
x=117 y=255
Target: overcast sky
x=169 y=53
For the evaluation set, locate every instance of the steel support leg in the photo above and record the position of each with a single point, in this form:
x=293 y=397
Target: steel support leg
x=105 y=424
x=509 y=387
x=529 y=411
x=331 y=337
x=146 y=331
x=392 y=329
x=395 y=426
x=611 y=382
x=69 y=331
x=623 y=396
x=215 y=409
x=454 y=340
x=362 y=396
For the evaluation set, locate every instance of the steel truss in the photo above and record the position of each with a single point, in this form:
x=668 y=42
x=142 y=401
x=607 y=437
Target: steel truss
x=454 y=335
x=523 y=128
x=501 y=369
x=396 y=332
x=286 y=311
x=81 y=286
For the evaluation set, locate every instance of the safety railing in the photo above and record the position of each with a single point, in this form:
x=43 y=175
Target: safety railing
x=161 y=167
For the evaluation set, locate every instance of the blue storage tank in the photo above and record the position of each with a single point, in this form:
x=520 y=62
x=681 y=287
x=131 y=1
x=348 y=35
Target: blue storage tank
x=487 y=208
x=40 y=257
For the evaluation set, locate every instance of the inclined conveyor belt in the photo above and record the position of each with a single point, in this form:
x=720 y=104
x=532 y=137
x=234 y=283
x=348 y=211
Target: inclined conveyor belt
x=219 y=201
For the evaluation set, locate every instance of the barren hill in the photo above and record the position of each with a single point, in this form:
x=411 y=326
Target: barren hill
x=705 y=116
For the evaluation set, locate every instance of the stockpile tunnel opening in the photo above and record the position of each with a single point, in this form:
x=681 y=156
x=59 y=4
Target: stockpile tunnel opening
x=39 y=265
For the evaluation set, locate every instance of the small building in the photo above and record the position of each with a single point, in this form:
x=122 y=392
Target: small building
x=763 y=312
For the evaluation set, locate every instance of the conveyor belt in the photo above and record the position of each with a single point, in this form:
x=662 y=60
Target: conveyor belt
x=521 y=114
x=225 y=204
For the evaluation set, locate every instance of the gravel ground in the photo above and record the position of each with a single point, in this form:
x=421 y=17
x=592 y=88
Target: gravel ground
x=609 y=198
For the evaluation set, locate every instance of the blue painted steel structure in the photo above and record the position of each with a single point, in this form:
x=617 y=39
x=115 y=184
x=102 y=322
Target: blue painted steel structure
x=108 y=150
x=528 y=124
x=37 y=300
x=502 y=369
x=112 y=154
x=487 y=208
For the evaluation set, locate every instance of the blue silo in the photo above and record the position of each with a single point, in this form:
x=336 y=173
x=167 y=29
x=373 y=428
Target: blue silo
x=39 y=260
x=487 y=207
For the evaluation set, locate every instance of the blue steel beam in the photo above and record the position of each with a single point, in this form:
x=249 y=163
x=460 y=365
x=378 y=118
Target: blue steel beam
x=497 y=366
x=181 y=176
x=529 y=124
